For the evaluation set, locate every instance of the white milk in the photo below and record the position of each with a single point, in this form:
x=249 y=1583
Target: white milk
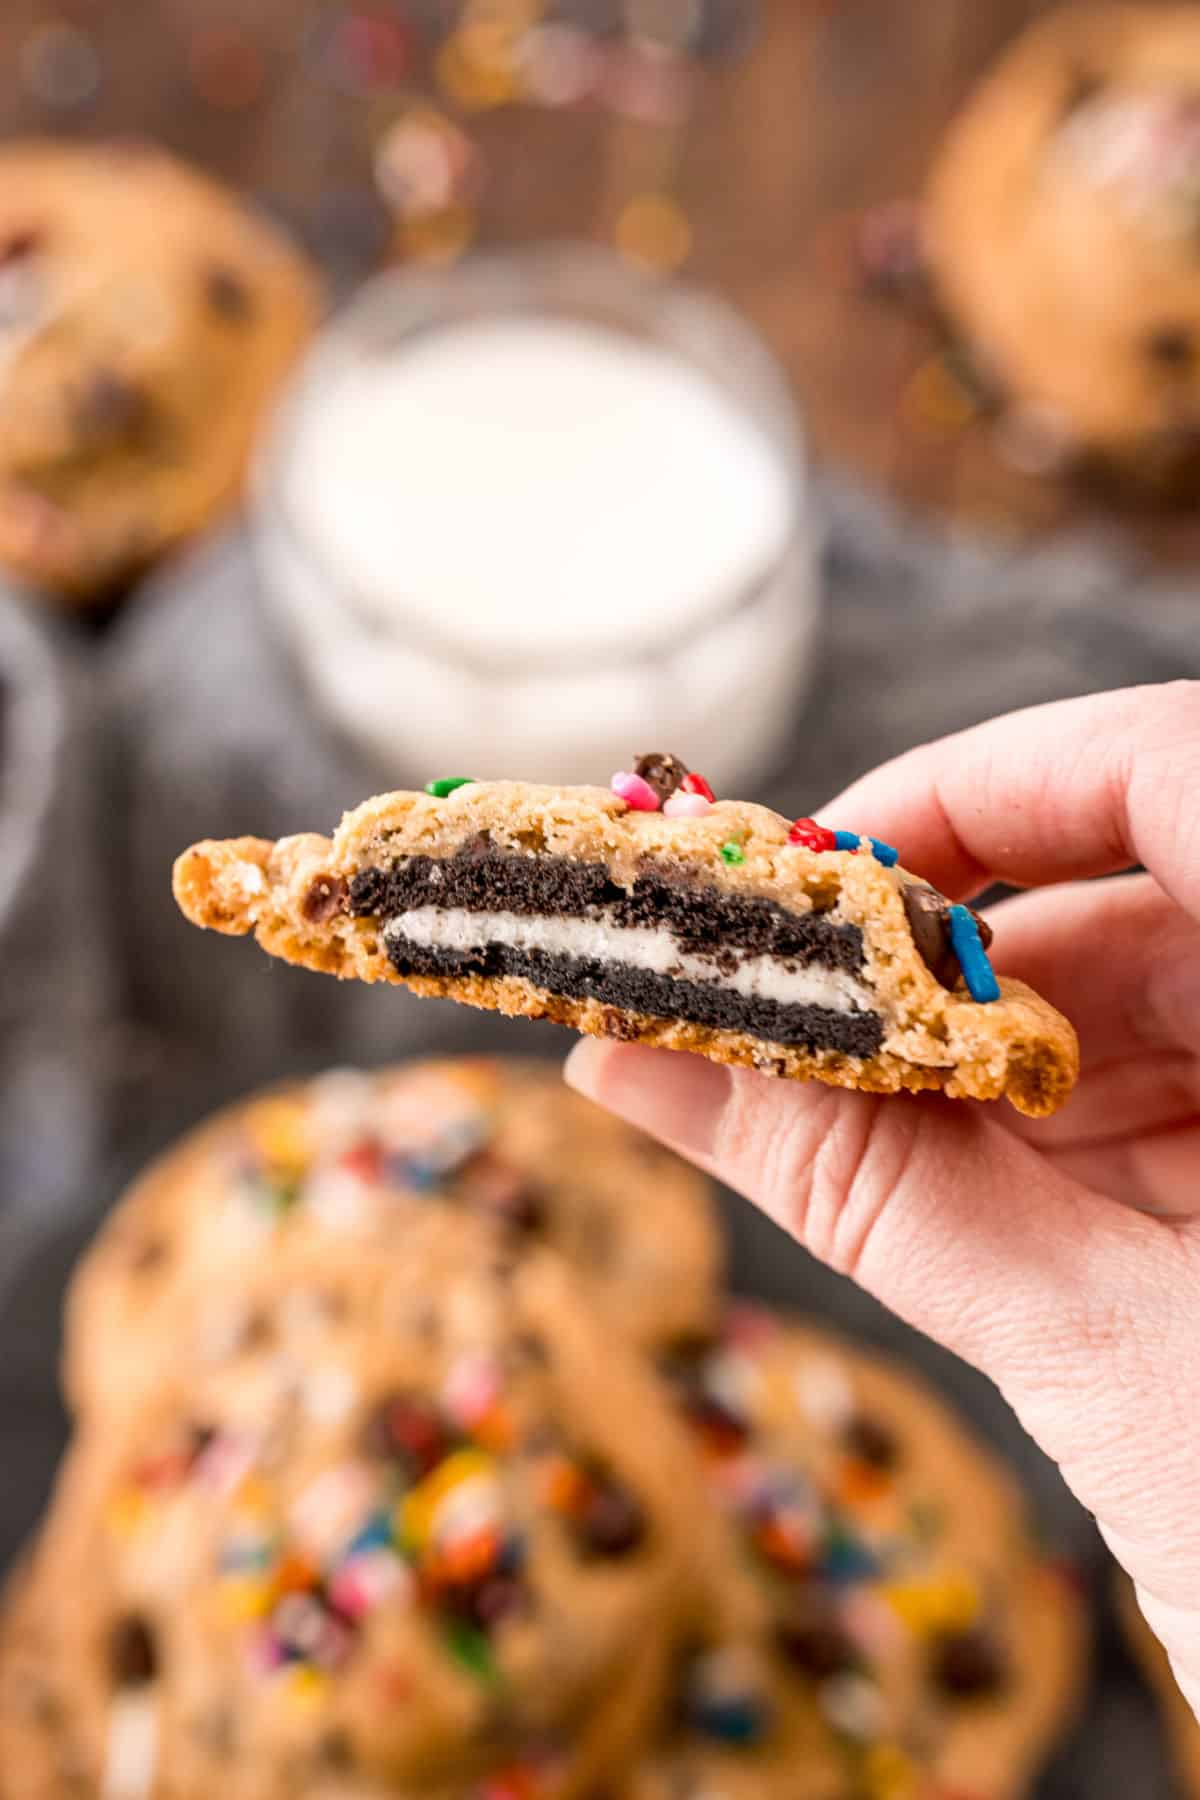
x=531 y=546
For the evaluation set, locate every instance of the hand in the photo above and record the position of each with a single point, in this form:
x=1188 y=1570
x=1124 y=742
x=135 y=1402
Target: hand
x=1060 y=1256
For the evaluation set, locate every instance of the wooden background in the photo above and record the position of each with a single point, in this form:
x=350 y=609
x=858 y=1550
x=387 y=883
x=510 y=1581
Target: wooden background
x=833 y=108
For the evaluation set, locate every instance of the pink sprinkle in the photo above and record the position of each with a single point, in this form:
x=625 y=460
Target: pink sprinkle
x=367 y=1579
x=687 y=806
x=264 y=1652
x=634 y=791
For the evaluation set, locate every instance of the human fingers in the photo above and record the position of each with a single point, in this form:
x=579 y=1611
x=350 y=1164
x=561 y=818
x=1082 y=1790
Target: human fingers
x=1054 y=793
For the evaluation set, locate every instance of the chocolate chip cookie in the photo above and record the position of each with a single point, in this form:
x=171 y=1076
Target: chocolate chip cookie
x=147 y=318
x=650 y=911
x=409 y=1521
x=1061 y=225
x=912 y=1641
x=347 y=1160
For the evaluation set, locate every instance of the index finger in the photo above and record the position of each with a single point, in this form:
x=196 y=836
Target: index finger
x=1054 y=793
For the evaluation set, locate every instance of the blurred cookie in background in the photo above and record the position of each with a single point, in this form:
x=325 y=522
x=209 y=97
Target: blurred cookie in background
x=421 y=1519
x=915 y=1641
x=1182 y=1727
x=348 y=1162
x=1060 y=229
x=147 y=317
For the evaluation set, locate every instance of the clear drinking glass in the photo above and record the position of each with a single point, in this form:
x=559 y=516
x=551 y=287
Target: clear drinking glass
x=425 y=700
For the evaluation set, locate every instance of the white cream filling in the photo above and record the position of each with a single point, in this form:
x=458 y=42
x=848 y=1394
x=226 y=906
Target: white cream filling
x=634 y=947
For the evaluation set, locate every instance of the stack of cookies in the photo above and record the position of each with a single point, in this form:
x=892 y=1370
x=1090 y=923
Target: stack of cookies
x=419 y=1454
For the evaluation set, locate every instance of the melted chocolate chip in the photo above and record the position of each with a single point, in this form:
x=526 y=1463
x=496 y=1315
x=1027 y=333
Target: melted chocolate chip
x=20 y=244
x=929 y=921
x=110 y=407
x=811 y=1637
x=405 y=1428
x=200 y=1438
x=871 y=1441
x=661 y=771
x=327 y=895
x=336 y=1751
x=499 y=1598
x=228 y=294
x=494 y=1188
x=1172 y=348
x=612 y=1523
x=148 y=1254
x=968 y=1665
x=132 y=1653
x=1083 y=86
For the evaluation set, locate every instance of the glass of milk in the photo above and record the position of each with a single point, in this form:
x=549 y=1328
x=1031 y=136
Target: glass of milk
x=536 y=513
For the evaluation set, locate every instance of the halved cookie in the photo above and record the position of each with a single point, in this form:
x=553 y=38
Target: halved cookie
x=651 y=912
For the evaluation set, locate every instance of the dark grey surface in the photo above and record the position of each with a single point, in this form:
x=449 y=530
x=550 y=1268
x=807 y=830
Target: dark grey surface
x=206 y=731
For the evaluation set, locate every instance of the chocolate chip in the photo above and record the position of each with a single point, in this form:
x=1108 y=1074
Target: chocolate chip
x=327 y=895
x=200 y=1438
x=969 y=1665
x=662 y=771
x=1172 y=347
x=336 y=1751
x=497 y=1599
x=405 y=1428
x=533 y=1348
x=492 y=1187
x=19 y=244
x=132 y=1653
x=871 y=1441
x=1083 y=86
x=228 y=294
x=612 y=1522
x=814 y=1642
x=929 y=921
x=149 y=1254
x=110 y=407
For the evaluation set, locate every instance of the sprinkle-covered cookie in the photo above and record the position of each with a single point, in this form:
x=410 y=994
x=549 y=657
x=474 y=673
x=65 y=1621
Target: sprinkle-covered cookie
x=651 y=911
x=408 y=1521
x=347 y=1160
x=147 y=319
x=1060 y=227
x=912 y=1641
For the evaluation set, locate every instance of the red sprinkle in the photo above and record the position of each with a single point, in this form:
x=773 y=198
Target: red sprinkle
x=696 y=784
x=811 y=835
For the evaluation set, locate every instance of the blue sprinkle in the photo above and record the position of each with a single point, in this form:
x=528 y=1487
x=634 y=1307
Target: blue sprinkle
x=845 y=1558
x=729 y=1718
x=850 y=840
x=967 y=945
x=376 y=1534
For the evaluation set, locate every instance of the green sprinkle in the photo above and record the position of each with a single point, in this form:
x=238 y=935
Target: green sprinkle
x=470 y=1649
x=447 y=785
x=732 y=853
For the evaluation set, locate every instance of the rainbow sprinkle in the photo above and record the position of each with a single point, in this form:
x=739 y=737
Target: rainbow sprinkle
x=967 y=945
x=448 y=784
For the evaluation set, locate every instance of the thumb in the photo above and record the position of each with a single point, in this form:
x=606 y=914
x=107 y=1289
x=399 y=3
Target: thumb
x=1074 y=1305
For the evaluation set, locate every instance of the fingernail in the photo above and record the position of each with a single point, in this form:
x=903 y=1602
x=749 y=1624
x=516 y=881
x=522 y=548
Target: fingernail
x=675 y=1097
